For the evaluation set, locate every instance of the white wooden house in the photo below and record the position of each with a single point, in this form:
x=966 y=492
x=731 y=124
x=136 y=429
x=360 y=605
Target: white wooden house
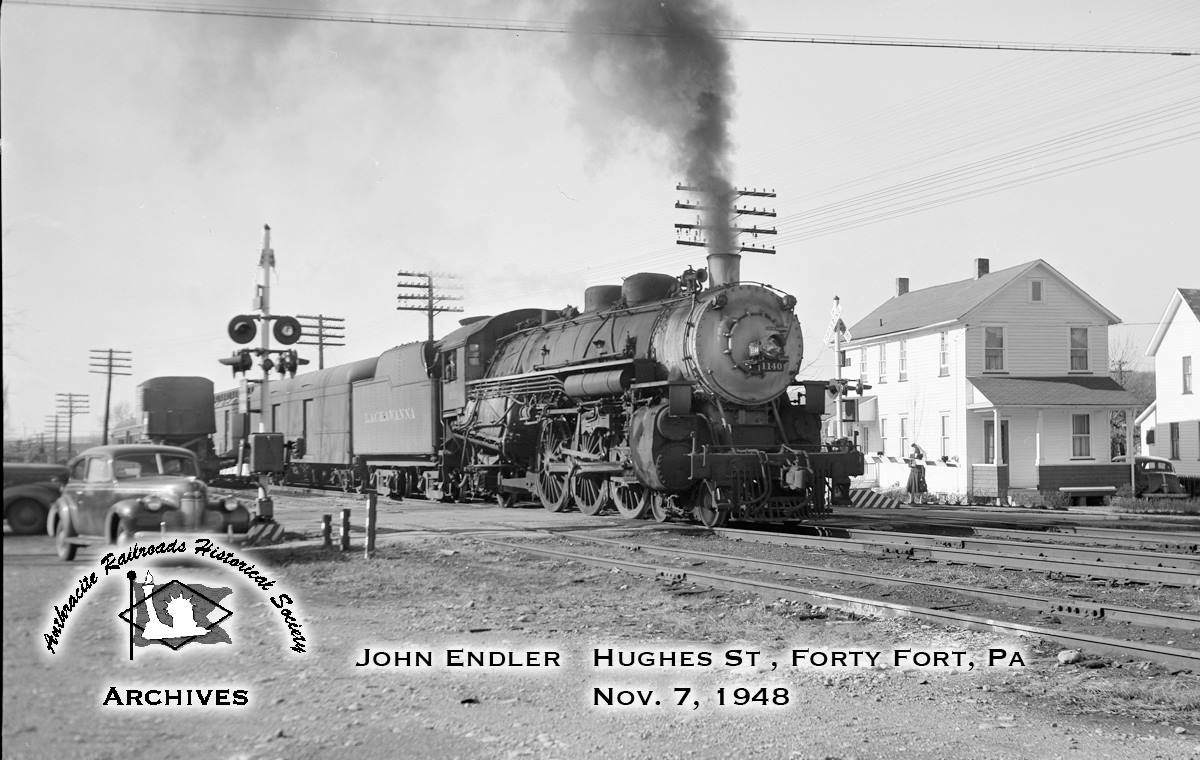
x=1171 y=425
x=1014 y=361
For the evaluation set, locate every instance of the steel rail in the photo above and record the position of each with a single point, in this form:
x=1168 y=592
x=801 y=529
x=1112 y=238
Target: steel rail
x=1130 y=557
x=1149 y=544
x=1170 y=657
x=1057 y=524
x=1163 y=576
x=1074 y=607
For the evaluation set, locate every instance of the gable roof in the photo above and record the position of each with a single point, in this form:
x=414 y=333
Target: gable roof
x=1189 y=296
x=951 y=302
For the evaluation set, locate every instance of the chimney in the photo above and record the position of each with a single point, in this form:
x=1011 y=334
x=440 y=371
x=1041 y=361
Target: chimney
x=901 y=286
x=981 y=268
x=724 y=269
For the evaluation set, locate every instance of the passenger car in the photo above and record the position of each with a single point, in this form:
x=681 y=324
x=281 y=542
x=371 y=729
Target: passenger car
x=29 y=491
x=1154 y=475
x=112 y=492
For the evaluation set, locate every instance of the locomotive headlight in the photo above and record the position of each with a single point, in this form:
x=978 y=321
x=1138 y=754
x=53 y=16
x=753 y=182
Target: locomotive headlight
x=153 y=503
x=754 y=349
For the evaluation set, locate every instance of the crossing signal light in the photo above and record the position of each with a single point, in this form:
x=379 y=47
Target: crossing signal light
x=240 y=361
x=289 y=362
x=242 y=328
x=287 y=330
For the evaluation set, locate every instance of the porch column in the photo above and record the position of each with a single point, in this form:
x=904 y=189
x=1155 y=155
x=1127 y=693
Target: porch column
x=1129 y=451
x=996 y=437
x=1037 y=448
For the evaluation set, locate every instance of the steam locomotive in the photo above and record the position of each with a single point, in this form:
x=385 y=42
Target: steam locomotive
x=662 y=396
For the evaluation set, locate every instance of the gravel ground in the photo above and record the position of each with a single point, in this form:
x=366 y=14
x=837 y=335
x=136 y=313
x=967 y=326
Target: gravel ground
x=441 y=593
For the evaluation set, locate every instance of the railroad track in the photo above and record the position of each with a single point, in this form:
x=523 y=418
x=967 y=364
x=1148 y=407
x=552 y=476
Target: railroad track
x=1171 y=657
x=1146 y=567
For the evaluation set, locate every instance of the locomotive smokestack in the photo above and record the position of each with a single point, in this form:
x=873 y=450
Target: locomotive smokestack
x=659 y=64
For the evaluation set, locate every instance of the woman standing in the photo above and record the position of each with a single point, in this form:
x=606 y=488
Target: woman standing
x=916 y=476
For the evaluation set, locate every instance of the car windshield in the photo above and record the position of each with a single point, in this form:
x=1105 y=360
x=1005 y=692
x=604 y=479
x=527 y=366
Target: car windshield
x=150 y=464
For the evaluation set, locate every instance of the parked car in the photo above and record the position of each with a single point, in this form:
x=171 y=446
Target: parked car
x=1154 y=476
x=29 y=491
x=113 y=492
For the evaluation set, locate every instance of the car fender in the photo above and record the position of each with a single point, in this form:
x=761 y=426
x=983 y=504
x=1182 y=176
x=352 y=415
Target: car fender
x=45 y=493
x=61 y=509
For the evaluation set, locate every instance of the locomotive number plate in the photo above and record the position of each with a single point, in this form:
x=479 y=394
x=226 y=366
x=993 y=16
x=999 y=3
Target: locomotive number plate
x=773 y=366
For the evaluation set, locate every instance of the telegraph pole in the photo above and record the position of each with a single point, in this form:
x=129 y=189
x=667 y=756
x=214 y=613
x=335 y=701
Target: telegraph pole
x=109 y=361
x=71 y=404
x=695 y=234
x=54 y=422
x=423 y=295
x=325 y=330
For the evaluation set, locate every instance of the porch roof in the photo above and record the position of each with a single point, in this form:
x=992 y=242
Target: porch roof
x=1073 y=390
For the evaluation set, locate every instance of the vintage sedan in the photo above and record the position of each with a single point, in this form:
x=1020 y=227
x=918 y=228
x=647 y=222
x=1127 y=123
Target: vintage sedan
x=114 y=492
x=1154 y=476
x=29 y=490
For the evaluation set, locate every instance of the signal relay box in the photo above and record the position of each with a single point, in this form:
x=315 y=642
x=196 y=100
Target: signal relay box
x=266 y=452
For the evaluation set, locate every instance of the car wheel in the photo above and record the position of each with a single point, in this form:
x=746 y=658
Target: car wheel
x=62 y=540
x=26 y=516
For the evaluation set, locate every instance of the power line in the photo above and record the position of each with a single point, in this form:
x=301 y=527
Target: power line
x=558 y=27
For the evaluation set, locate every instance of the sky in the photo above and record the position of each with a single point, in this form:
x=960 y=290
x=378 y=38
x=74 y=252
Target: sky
x=142 y=153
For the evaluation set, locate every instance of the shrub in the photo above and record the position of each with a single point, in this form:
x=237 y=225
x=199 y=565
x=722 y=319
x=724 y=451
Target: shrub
x=1157 y=506
x=1055 y=499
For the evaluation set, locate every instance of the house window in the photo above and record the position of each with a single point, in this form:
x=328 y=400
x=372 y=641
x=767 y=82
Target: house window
x=274 y=418
x=1035 y=291
x=1175 y=440
x=903 y=360
x=943 y=356
x=903 y=436
x=883 y=435
x=1081 y=435
x=989 y=442
x=1187 y=374
x=1079 y=349
x=862 y=365
x=993 y=349
x=883 y=363
x=945 y=436
x=228 y=434
x=864 y=440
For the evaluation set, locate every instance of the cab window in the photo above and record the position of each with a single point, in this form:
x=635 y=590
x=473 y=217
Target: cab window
x=79 y=469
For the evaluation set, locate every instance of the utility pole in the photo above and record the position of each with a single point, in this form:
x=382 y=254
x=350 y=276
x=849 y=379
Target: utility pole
x=109 y=361
x=54 y=423
x=71 y=404
x=325 y=330
x=423 y=295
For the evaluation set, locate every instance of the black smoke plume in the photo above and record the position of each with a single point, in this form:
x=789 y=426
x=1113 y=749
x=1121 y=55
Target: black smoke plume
x=659 y=64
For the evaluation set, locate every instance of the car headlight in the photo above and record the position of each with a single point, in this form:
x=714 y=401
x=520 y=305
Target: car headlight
x=230 y=504
x=153 y=503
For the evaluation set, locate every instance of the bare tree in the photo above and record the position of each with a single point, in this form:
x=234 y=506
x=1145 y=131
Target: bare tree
x=1122 y=362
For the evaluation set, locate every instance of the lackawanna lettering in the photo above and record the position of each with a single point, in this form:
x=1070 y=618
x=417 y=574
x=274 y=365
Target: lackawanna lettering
x=391 y=415
x=176 y=697
x=206 y=546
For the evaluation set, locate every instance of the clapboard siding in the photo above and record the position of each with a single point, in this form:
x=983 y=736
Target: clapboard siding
x=1037 y=335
